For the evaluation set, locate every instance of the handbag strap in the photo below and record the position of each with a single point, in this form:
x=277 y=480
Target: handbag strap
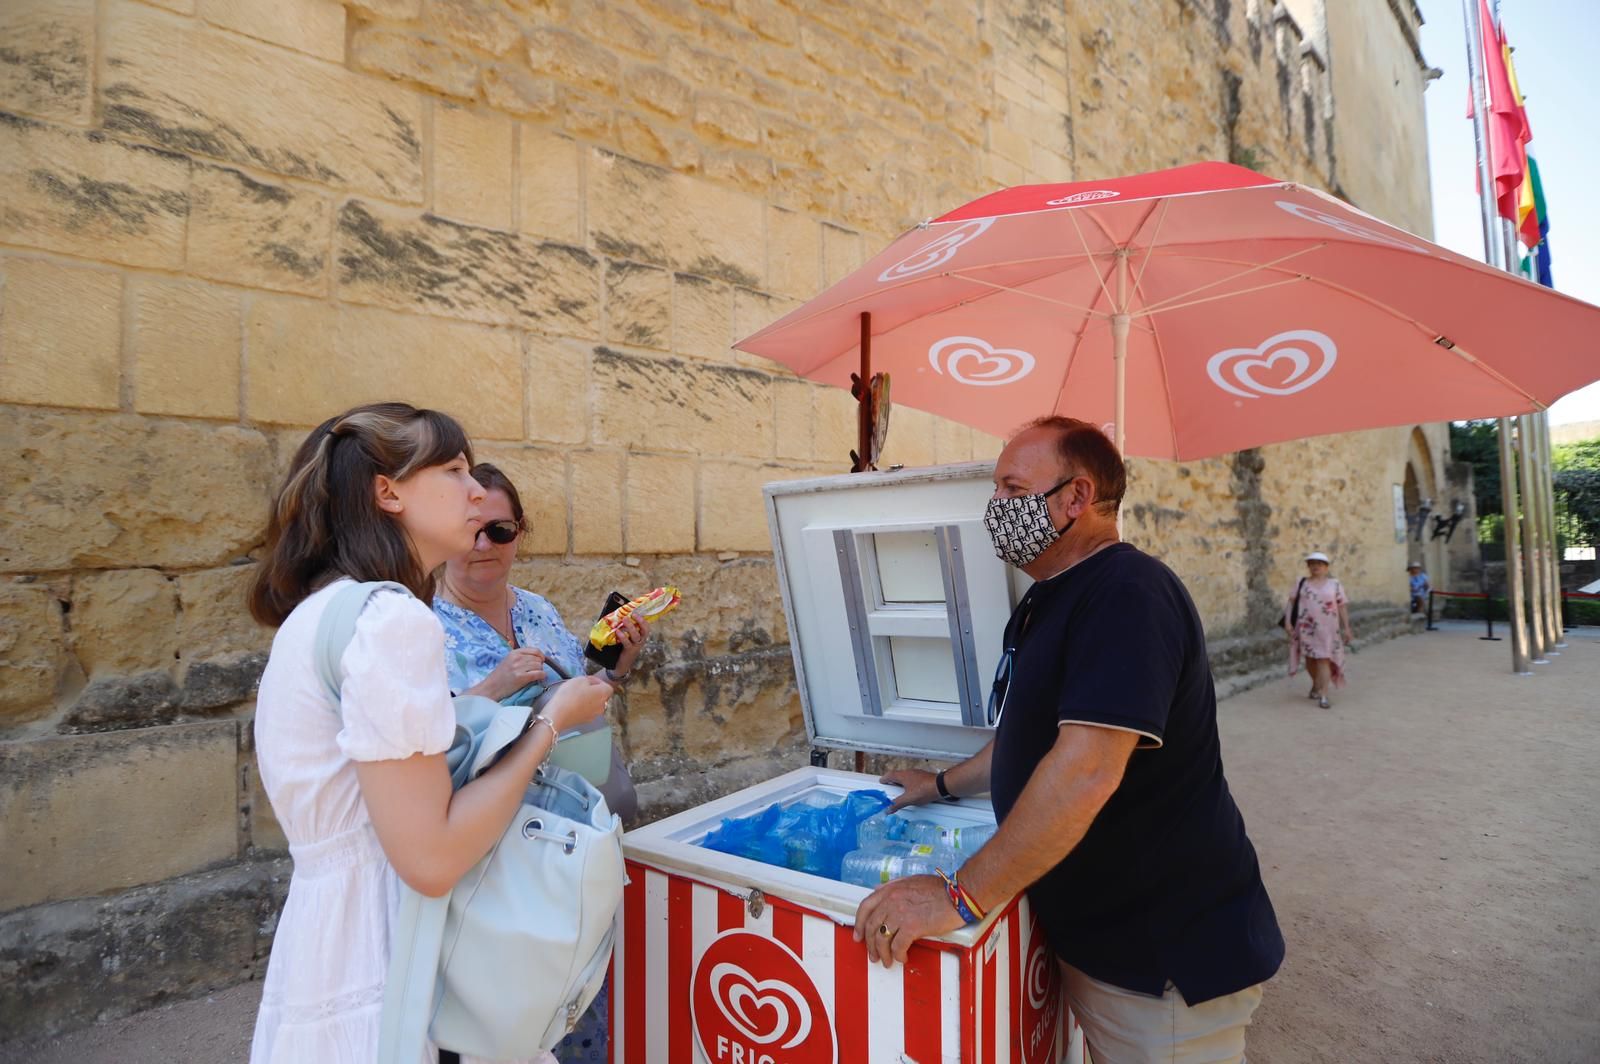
x=337 y=627
x=1294 y=609
x=410 y=991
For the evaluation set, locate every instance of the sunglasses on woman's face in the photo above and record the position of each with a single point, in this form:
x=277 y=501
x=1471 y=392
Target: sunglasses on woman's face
x=501 y=532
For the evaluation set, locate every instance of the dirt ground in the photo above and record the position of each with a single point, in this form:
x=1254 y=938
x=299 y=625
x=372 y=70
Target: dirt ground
x=1431 y=844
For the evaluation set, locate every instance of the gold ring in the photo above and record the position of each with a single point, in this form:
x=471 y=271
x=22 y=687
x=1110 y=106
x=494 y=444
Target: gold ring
x=883 y=929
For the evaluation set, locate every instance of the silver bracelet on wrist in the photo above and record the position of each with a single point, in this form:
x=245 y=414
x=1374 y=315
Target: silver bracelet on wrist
x=614 y=678
x=540 y=718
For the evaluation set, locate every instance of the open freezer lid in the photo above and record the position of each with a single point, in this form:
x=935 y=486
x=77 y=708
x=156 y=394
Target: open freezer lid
x=896 y=604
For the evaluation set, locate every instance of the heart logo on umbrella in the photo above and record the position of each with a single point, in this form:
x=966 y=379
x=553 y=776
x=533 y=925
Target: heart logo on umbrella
x=763 y=1010
x=938 y=252
x=1345 y=225
x=974 y=361
x=1235 y=369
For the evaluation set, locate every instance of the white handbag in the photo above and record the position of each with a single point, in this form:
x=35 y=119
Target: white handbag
x=504 y=965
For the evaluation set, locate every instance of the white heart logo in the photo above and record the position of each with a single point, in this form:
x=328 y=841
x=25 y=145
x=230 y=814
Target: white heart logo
x=1234 y=370
x=1039 y=977
x=743 y=1003
x=938 y=252
x=1084 y=197
x=989 y=366
x=1347 y=226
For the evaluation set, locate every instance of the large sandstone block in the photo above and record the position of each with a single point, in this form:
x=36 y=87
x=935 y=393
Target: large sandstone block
x=404 y=57
x=652 y=215
x=733 y=513
x=60 y=335
x=540 y=476
x=315 y=27
x=681 y=406
x=118 y=491
x=475 y=24
x=92 y=814
x=597 y=502
x=472 y=166
x=47 y=59
x=87 y=194
x=558 y=389
x=745 y=704
x=124 y=620
x=791 y=412
x=202 y=92
x=186 y=341
x=794 y=253
x=307 y=361
x=638 y=305
x=33 y=653
x=736 y=605
x=660 y=504
x=258 y=234
x=213 y=620
x=431 y=266
x=702 y=317
x=550 y=192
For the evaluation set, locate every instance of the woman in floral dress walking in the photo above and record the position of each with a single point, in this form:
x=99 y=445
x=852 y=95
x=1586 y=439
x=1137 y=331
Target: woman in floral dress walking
x=1314 y=617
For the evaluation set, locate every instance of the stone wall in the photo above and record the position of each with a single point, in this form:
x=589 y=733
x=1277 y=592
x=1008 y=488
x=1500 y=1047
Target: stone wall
x=225 y=220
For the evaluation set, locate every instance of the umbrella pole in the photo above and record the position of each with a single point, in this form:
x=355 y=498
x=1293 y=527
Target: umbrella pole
x=863 y=392
x=1491 y=254
x=1119 y=348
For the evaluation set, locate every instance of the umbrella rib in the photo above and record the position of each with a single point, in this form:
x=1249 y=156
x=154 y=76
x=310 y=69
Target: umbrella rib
x=1072 y=216
x=1090 y=311
x=1169 y=305
x=1253 y=268
x=1166 y=381
x=1150 y=249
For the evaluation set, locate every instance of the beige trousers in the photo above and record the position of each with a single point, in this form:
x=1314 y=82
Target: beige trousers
x=1124 y=1027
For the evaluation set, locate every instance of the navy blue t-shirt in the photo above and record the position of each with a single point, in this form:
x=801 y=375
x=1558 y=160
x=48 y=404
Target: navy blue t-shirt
x=1165 y=884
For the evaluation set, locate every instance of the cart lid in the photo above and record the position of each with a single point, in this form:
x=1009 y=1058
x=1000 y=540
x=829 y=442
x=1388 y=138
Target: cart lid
x=896 y=604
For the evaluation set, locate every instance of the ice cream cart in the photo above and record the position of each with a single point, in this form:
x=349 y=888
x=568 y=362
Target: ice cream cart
x=895 y=604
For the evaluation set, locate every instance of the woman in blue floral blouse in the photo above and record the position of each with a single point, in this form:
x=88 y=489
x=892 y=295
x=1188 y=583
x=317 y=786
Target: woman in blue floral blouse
x=506 y=643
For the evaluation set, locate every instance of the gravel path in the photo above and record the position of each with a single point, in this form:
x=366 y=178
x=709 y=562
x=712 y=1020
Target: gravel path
x=1431 y=843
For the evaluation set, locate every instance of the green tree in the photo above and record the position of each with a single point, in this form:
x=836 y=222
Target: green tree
x=1576 y=480
x=1478 y=442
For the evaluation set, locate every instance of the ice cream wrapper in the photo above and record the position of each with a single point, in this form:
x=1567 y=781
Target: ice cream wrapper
x=649 y=606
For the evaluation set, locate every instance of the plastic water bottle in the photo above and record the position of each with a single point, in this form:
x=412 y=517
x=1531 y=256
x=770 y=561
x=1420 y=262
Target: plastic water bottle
x=876 y=830
x=876 y=866
x=805 y=852
x=965 y=839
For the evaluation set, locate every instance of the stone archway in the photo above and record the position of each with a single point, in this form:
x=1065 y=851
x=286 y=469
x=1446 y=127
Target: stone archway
x=1423 y=488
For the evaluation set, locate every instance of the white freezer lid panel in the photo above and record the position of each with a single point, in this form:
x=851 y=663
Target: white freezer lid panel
x=886 y=569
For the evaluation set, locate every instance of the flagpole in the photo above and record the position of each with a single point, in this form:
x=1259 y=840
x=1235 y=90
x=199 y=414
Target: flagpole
x=1491 y=255
x=1549 y=509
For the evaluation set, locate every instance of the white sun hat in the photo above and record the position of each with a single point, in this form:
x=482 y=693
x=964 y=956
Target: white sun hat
x=1316 y=556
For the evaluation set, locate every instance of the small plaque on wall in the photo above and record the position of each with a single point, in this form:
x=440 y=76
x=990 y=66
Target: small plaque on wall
x=1400 y=523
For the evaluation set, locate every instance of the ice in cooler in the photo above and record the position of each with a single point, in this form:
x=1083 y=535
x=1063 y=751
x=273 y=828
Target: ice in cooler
x=895 y=604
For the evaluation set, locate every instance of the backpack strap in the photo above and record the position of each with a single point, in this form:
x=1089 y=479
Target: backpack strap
x=337 y=628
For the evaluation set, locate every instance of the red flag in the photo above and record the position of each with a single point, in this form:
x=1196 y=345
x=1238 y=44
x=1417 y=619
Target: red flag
x=1506 y=123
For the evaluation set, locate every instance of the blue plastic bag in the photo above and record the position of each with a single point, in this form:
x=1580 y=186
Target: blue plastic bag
x=809 y=835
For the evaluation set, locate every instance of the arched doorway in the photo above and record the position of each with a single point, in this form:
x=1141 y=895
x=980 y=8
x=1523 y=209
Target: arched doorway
x=1423 y=500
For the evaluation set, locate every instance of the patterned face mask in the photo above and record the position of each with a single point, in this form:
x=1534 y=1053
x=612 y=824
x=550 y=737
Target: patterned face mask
x=1021 y=527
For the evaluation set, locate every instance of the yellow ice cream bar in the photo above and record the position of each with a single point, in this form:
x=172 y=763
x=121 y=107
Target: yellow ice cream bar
x=648 y=606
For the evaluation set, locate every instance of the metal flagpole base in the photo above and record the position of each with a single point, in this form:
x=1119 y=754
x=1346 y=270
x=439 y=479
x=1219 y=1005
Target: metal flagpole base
x=1488 y=639
x=1540 y=661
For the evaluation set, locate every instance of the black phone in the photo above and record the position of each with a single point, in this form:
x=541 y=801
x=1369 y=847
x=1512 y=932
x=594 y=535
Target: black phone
x=608 y=657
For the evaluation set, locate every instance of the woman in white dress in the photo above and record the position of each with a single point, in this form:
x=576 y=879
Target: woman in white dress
x=382 y=492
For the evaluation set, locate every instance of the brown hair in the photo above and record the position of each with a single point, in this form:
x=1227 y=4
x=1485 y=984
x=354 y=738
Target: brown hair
x=325 y=521
x=1084 y=447
x=489 y=475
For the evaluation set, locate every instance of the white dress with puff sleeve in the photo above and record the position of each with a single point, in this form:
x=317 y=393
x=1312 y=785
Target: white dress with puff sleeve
x=323 y=996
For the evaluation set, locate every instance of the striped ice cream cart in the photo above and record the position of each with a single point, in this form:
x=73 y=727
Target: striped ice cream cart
x=895 y=604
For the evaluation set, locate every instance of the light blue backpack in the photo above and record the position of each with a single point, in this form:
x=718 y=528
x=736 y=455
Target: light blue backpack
x=504 y=965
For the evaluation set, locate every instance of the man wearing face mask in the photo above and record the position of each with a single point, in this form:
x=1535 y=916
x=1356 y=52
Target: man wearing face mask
x=1106 y=776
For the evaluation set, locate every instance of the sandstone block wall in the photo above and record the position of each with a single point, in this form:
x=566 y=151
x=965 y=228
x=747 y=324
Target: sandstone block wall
x=224 y=221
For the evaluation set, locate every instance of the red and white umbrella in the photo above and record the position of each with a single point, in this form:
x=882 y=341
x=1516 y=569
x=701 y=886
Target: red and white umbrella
x=1193 y=311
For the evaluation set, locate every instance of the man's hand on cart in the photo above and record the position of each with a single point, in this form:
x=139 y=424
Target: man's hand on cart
x=920 y=788
x=898 y=913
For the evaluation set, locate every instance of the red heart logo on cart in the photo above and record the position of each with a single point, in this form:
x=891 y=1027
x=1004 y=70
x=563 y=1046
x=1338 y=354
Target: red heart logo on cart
x=752 y=999
x=1299 y=358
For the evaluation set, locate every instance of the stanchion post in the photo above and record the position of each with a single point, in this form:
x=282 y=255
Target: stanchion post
x=1488 y=607
x=1430 y=627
